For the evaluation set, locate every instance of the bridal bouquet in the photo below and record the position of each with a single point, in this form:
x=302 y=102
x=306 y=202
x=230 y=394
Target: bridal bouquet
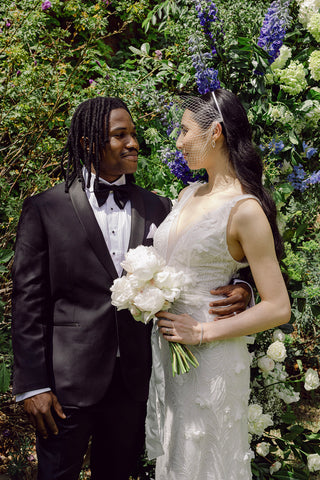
x=150 y=286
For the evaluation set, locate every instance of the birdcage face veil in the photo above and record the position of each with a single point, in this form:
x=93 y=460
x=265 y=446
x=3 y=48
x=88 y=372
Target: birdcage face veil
x=198 y=122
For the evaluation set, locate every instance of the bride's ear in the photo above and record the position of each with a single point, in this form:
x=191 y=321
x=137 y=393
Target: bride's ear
x=216 y=130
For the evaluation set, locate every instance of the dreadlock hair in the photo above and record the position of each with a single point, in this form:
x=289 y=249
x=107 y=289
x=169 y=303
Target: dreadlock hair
x=243 y=156
x=89 y=131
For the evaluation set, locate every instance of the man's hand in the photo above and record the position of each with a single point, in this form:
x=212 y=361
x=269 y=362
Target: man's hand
x=236 y=300
x=39 y=411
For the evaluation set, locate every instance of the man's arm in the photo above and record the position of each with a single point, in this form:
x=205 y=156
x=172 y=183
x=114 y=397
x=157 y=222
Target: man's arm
x=31 y=312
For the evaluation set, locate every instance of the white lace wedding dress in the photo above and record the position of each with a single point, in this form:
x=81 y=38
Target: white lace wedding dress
x=197 y=422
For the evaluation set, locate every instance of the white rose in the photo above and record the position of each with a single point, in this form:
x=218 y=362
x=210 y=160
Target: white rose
x=263 y=449
x=314 y=462
x=258 y=421
x=278 y=335
x=143 y=261
x=122 y=293
x=275 y=467
x=277 y=351
x=265 y=364
x=149 y=300
x=311 y=379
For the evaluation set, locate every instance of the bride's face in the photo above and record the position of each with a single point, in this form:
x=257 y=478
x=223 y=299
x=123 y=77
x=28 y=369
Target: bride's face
x=194 y=142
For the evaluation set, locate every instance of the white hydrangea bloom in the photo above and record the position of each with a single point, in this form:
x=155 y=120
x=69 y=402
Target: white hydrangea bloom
x=314 y=462
x=313 y=26
x=311 y=379
x=314 y=64
x=263 y=449
x=277 y=351
x=275 y=467
x=281 y=60
x=307 y=9
x=278 y=334
x=293 y=78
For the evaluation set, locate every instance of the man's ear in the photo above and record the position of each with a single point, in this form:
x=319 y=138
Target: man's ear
x=82 y=142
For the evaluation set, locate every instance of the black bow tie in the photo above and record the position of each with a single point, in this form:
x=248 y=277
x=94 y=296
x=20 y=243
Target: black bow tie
x=121 y=194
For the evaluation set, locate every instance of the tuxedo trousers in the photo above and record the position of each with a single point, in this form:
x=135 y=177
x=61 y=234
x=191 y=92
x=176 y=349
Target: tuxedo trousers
x=116 y=426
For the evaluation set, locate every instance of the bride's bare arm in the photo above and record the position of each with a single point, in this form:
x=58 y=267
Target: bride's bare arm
x=250 y=228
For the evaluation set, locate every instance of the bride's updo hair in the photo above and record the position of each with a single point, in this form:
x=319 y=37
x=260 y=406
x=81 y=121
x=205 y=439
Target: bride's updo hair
x=243 y=157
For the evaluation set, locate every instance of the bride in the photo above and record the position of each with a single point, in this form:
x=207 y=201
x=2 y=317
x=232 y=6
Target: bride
x=197 y=422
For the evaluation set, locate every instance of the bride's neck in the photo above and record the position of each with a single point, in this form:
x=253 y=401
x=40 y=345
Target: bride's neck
x=222 y=182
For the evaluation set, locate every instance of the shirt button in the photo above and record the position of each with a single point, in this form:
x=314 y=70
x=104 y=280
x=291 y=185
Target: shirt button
x=112 y=208
x=113 y=253
x=113 y=231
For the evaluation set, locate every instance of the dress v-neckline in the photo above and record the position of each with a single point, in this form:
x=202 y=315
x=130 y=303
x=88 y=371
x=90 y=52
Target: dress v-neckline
x=174 y=238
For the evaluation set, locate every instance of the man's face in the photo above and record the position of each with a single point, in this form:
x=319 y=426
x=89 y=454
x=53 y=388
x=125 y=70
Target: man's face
x=120 y=154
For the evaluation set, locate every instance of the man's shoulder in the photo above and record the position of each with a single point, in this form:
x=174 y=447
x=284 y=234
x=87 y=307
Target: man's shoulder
x=52 y=196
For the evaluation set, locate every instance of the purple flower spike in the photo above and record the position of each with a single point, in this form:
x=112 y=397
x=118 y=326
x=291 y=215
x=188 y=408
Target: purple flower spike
x=46 y=5
x=274 y=28
x=8 y=24
x=158 y=54
x=18 y=73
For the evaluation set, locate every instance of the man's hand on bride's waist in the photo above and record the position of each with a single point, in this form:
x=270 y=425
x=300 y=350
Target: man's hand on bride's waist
x=237 y=298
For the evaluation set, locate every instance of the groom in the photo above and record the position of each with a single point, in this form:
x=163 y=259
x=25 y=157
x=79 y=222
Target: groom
x=81 y=367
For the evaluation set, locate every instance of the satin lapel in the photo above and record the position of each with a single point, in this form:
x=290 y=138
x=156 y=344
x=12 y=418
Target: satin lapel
x=137 y=219
x=91 y=227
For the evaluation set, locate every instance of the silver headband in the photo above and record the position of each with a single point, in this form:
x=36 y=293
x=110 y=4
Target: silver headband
x=215 y=99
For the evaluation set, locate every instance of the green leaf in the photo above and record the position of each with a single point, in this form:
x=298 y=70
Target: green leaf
x=292 y=137
x=4 y=378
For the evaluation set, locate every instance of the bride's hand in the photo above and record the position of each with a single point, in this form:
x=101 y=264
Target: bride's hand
x=179 y=328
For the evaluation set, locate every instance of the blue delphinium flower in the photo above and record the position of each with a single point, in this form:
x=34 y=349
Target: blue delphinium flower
x=206 y=77
x=297 y=177
x=274 y=28
x=309 y=151
x=276 y=147
x=313 y=179
x=179 y=167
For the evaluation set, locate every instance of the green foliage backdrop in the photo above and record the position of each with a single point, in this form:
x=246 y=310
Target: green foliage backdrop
x=53 y=58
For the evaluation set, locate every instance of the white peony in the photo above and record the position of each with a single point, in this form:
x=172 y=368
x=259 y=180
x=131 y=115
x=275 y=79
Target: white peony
x=150 y=300
x=278 y=335
x=265 y=364
x=263 y=449
x=314 y=462
x=122 y=293
x=143 y=261
x=277 y=351
x=258 y=421
x=311 y=379
x=275 y=467
x=170 y=282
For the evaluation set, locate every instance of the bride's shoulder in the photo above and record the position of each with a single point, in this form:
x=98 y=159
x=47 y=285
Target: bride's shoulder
x=247 y=210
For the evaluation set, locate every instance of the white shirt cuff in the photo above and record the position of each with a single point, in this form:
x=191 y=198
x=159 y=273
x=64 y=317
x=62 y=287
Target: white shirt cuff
x=252 y=301
x=32 y=393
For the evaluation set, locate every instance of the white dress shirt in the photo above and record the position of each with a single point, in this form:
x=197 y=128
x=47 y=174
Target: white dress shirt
x=115 y=225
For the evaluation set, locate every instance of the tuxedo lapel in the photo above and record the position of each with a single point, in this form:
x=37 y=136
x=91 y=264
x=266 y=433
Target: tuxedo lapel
x=91 y=227
x=137 y=218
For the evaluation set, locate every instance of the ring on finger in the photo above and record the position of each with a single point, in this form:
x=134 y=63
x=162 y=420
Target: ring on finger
x=234 y=313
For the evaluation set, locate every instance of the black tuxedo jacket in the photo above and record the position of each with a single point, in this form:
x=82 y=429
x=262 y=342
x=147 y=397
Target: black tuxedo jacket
x=65 y=331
